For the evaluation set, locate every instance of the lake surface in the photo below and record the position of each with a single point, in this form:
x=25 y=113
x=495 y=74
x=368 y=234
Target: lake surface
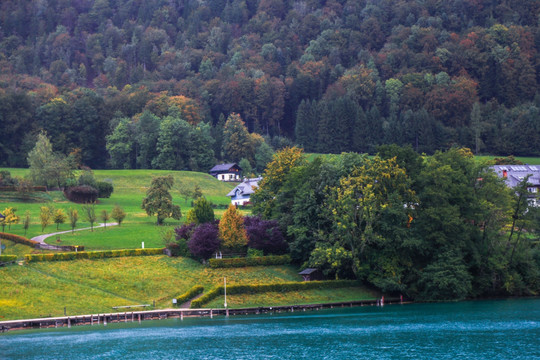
x=499 y=329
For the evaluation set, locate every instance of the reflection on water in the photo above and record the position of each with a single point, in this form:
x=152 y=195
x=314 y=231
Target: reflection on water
x=504 y=329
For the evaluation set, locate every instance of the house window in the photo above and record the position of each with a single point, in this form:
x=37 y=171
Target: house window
x=532 y=190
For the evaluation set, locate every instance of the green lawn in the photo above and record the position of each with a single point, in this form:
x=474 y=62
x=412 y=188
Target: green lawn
x=129 y=189
x=523 y=159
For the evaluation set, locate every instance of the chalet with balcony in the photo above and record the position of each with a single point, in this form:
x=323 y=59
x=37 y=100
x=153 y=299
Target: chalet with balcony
x=227 y=172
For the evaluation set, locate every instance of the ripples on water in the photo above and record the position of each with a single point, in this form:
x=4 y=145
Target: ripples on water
x=506 y=329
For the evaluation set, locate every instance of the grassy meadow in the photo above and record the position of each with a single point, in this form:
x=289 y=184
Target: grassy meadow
x=129 y=189
x=95 y=286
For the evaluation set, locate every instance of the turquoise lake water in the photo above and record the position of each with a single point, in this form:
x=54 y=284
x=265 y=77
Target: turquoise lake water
x=497 y=329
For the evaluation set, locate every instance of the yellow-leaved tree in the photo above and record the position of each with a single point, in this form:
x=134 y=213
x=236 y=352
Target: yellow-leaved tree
x=275 y=174
x=9 y=218
x=232 y=232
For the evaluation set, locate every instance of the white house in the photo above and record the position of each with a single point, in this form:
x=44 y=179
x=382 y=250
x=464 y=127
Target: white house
x=226 y=172
x=241 y=194
x=514 y=174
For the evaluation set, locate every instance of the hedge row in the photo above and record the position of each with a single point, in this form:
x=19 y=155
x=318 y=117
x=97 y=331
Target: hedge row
x=14 y=188
x=7 y=258
x=18 y=239
x=91 y=254
x=190 y=294
x=250 y=261
x=276 y=287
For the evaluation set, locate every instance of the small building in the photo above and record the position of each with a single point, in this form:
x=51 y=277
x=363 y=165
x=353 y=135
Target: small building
x=241 y=194
x=311 y=274
x=514 y=174
x=226 y=172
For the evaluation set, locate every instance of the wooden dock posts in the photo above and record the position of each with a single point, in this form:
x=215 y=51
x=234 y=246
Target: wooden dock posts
x=174 y=313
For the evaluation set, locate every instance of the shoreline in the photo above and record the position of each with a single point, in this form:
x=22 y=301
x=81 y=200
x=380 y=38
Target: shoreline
x=139 y=316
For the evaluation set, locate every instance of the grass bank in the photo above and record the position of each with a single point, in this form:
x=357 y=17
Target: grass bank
x=95 y=286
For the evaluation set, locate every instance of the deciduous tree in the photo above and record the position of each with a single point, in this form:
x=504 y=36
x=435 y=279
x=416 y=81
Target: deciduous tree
x=231 y=229
x=118 y=214
x=158 y=200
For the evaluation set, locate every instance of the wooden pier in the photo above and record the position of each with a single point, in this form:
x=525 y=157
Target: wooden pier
x=133 y=316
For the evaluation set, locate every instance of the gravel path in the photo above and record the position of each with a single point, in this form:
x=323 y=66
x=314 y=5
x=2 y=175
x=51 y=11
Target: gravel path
x=41 y=238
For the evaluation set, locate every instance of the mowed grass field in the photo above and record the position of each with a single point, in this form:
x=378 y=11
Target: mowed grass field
x=130 y=188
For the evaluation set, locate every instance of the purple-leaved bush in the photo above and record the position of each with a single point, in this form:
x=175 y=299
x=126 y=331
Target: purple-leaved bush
x=204 y=240
x=265 y=235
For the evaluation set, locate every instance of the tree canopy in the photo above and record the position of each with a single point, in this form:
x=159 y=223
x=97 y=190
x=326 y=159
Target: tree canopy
x=158 y=200
x=102 y=76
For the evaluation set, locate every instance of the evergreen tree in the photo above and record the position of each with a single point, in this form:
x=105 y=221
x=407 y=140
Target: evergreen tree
x=237 y=142
x=306 y=125
x=147 y=133
x=203 y=211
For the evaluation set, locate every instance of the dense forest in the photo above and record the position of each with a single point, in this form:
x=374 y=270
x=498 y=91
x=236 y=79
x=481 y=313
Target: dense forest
x=153 y=83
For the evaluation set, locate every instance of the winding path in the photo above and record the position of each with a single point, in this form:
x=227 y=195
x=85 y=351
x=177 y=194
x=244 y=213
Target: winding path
x=41 y=238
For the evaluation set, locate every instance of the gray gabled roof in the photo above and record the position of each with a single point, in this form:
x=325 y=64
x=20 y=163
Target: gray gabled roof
x=516 y=173
x=308 y=271
x=224 y=167
x=247 y=187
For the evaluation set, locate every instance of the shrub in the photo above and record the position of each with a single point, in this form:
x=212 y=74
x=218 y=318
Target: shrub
x=104 y=189
x=275 y=287
x=91 y=254
x=204 y=241
x=18 y=239
x=203 y=211
x=254 y=253
x=82 y=194
x=190 y=294
x=8 y=258
x=265 y=235
x=250 y=261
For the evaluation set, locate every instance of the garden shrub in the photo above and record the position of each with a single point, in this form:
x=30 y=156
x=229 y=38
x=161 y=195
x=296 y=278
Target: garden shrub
x=204 y=241
x=18 y=239
x=265 y=235
x=82 y=194
x=7 y=258
x=92 y=254
x=190 y=294
x=104 y=189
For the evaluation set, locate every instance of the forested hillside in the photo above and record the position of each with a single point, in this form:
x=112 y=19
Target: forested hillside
x=150 y=83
